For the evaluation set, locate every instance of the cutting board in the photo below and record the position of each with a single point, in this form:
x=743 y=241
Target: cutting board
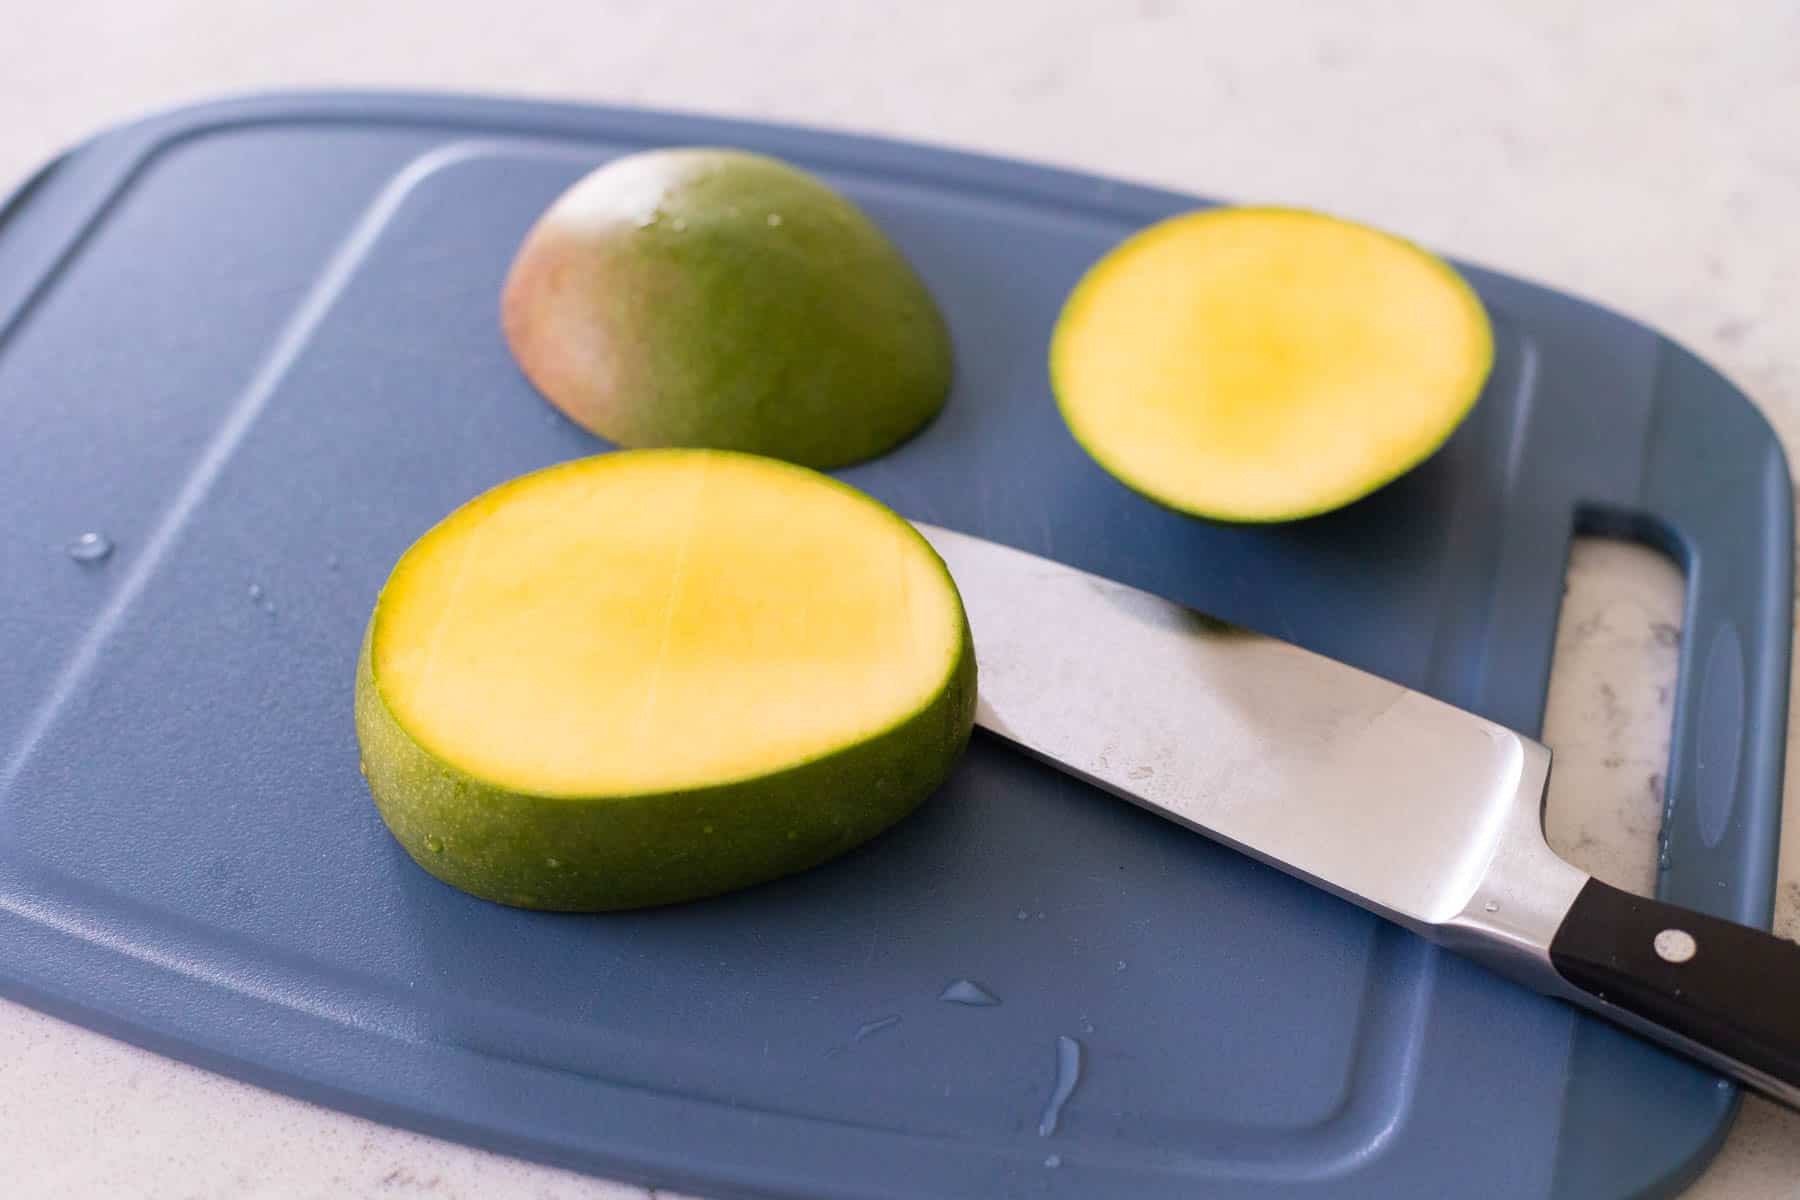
x=254 y=344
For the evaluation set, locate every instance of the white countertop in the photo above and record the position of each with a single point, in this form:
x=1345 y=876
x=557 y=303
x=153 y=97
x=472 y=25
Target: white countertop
x=1643 y=155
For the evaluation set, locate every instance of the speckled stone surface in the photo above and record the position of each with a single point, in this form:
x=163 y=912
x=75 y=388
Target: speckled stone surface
x=1643 y=155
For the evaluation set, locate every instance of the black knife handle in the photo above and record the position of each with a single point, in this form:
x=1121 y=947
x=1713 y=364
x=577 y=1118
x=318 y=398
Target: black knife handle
x=1721 y=987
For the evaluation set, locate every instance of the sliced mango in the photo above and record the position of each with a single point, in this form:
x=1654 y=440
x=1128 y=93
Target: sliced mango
x=650 y=676
x=710 y=297
x=1260 y=364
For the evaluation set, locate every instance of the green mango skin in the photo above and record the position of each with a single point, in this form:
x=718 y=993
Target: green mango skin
x=605 y=853
x=714 y=298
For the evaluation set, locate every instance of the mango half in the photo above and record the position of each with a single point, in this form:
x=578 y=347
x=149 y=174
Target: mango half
x=715 y=298
x=651 y=676
x=1264 y=364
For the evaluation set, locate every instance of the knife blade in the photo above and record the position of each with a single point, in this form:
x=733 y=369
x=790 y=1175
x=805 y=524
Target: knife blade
x=1425 y=814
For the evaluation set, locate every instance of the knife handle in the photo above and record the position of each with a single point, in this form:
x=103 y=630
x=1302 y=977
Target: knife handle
x=1725 y=993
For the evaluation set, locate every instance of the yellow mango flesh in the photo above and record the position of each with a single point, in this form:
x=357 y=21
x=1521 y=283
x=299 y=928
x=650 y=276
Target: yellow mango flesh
x=658 y=620
x=1263 y=364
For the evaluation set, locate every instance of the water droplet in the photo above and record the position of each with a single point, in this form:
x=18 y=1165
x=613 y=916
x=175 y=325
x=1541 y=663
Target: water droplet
x=1087 y=1026
x=1068 y=1074
x=434 y=844
x=869 y=1029
x=333 y=562
x=1053 y=1161
x=91 y=548
x=967 y=991
x=774 y=220
x=1021 y=915
x=706 y=829
x=268 y=606
x=1492 y=906
x=552 y=863
x=678 y=225
x=1040 y=914
x=1120 y=967
x=362 y=767
x=1662 y=860
x=256 y=592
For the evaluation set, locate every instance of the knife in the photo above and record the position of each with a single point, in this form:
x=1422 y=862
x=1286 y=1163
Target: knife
x=1422 y=813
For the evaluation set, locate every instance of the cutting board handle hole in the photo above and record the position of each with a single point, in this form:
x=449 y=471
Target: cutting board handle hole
x=1610 y=714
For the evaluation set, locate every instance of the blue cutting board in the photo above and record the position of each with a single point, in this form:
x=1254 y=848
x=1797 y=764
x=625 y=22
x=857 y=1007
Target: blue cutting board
x=255 y=344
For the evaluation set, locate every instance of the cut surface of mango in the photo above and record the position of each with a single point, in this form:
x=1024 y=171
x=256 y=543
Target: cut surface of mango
x=1258 y=364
